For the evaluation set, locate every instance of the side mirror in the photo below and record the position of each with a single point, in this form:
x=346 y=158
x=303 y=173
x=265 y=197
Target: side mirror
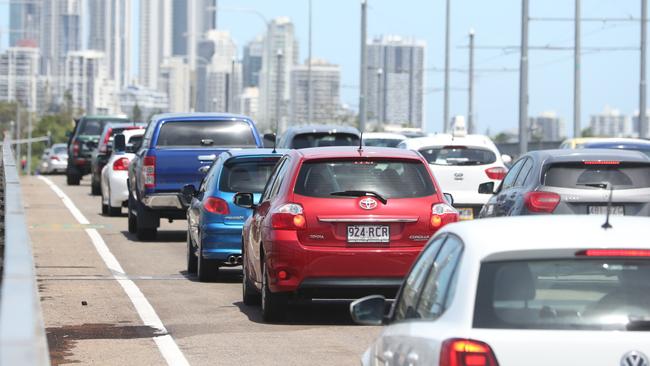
x=269 y=139
x=449 y=198
x=486 y=188
x=368 y=310
x=119 y=142
x=507 y=159
x=187 y=193
x=244 y=200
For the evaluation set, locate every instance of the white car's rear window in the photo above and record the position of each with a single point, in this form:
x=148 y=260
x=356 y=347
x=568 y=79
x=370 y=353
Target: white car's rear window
x=580 y=294
x=458 y=155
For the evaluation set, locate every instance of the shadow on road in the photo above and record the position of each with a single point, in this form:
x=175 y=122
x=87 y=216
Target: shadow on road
x=226 y=275
x=163 y=235
x=311 y=312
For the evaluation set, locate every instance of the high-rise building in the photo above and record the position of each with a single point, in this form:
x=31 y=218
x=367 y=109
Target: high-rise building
x=252 y=62
x=60 y=34
x=217 y=73
x=395 y=81
x=610 y=123
x=547 y=127
x=326 y=82
x=87 y=83
x=155 y=39
x=24 y=22
x=201 y=17
x=175 y=82
x=19 y=79
x=110 y=32
x=249 y=102
x=280 y=55
x=635 y=122
x=179 y=27
x=149 y=101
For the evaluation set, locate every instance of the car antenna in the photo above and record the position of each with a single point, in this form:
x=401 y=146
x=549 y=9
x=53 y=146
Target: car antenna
x=360 y=143
x=275 y=141
x=607 y=225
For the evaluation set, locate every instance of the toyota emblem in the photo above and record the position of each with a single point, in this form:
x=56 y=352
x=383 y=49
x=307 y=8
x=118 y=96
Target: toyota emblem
x=634 y=358
x=368 y=203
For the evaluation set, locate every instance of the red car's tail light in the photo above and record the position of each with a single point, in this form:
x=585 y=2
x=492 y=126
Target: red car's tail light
x=466 y=352
x=216 y=206
x=149 y=171
x=541 y=201
x=442 y=214
x=614 y=253
x=289 y=217
x=497 y=173
x=121 y=164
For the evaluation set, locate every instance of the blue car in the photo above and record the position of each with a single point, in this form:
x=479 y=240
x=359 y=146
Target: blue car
x=214 y=221
x=622 y=144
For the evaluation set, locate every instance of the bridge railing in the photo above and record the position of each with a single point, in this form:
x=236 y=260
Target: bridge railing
x=22 y=333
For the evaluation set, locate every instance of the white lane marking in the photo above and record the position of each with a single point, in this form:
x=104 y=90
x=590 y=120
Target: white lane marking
x=166 y=344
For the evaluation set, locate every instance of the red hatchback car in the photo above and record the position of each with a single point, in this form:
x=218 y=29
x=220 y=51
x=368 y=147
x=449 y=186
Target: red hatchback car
x=338 y=222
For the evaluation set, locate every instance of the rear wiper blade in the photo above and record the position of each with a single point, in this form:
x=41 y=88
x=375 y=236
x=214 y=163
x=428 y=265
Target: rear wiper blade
x=360 y=194
x=207 y=142
x=638 y=324
x=595 y=185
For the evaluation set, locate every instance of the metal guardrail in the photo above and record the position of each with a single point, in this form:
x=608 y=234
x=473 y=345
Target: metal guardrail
x=22 y=333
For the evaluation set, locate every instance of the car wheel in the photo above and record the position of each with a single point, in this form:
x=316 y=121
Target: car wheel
x=250 y=295
x=95 y=187
x=73 y=179
x=143 y=232
x=113 y=211
x=191 y=256
x=207 y=269
x=104 y=209
x=133 y=223
x=273 y=305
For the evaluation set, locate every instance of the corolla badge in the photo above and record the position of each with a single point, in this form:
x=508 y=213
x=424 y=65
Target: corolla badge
x=634 y=358
x=368 y=203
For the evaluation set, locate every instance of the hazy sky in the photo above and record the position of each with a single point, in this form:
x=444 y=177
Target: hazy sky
x=609 y=78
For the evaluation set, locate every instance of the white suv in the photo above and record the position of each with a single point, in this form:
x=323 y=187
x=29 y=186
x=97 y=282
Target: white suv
x=460 y=164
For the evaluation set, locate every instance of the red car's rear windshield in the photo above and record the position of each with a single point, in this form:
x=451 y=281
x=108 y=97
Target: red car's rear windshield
x=570 y=294
x=388 y=178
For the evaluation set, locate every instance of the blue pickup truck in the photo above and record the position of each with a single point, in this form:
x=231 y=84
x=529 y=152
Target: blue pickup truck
x=177 y=149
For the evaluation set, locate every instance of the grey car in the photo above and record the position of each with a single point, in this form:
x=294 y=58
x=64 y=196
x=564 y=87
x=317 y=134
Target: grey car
x=573 y=182
x=302 y=137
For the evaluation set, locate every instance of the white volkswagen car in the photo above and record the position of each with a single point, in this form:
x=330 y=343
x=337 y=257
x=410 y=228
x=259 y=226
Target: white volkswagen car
x=461 y=163
x=556 y=290
x=382 y=139
x=115 y=173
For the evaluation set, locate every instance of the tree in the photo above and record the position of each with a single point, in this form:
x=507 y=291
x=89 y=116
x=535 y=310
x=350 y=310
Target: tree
x=501 y=138
x=136 y=113
x=588 y=132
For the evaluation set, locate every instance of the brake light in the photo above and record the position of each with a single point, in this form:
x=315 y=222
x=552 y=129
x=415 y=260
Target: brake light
x=289 y=217
x=216 y=206
x=497 y=173
x=75 y=148
x=104 y=146
x=121 y=164
x=54 y=157
x=614 y=253
x=541 y=201
x=149 y=171
x=442 y=214
x=466 y=352
x=605 y=162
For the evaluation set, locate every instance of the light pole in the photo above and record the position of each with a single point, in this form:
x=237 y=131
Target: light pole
x=470 y=99
x=523 y=81
x=445 y=113
x=278 y=90
x=576 y=73
x=380 y=72
x=643 y=127
x=309 y=79
x=363 y=68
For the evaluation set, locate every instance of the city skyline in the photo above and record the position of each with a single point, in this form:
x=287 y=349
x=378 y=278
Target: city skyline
x=496 y=93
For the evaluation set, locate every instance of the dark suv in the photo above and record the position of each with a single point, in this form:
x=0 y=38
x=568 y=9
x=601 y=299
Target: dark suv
x=83 y=140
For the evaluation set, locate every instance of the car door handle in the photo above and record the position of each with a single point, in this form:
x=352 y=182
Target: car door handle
x=210 y=157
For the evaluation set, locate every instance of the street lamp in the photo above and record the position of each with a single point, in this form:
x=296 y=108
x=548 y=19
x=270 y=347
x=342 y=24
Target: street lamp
x=380 y=72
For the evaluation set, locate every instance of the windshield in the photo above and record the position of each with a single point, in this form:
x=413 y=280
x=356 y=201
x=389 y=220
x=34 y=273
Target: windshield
x=458 y=155
x=387 y=178
x=382 y=142
x=594 y=294
x=58 y=150
x=206 y=134
x=587 y=176
x=94 y=127
x=317 y=139
x=246 y=174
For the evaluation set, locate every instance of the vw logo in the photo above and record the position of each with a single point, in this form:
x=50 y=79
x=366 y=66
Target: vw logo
x=634 y=358
x=368 y=203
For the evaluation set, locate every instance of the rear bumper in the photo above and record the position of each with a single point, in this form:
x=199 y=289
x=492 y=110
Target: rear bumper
x=220 y=241
x=162 y=201
x=119 y=192
x=317 y=271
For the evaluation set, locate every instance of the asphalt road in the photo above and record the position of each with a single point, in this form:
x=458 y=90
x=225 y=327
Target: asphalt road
x=91 y=320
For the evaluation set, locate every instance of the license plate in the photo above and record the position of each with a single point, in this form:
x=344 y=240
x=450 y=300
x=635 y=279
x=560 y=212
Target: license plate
x=368 y=234
x=602 y=210
x=465 y=213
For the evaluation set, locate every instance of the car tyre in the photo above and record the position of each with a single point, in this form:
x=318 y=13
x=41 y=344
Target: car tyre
x=73 y=179
x=113 y=211
x=250 y=295
x=191 y=257
x=95 y=188
x=143 y=232
x=104 y=209
x=273 y=304
x=207 y=269
x=133 y=223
